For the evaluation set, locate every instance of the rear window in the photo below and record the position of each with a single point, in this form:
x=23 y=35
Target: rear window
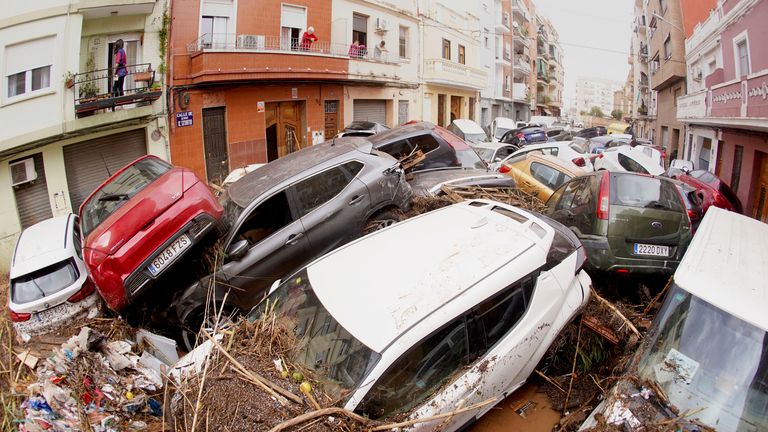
x=469 y=159
x=548 y=176
x=44 y=282
x=644 y=192
x=117 y=192
x=485 y=153
x=630 y=164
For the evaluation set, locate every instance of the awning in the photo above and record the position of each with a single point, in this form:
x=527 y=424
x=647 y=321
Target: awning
x=546 y=112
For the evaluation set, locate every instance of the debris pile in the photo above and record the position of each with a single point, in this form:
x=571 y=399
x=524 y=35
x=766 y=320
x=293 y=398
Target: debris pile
x=96 y=384
x=511 y=196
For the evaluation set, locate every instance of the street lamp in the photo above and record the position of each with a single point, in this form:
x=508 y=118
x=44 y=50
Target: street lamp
x=660 y=18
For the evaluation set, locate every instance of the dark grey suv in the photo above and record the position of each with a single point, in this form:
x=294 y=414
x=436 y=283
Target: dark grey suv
x=292 y=210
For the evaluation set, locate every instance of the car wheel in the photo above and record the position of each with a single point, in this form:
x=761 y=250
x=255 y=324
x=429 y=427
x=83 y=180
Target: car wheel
x=382 y=220
x=194 y=321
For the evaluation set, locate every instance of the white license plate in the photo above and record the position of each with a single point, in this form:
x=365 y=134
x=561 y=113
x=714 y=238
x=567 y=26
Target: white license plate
x=166 y=257
x=54 y=312
x=653 y=250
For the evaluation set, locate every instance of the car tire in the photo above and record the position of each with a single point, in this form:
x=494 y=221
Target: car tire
x=193 y=321
x=382 y=220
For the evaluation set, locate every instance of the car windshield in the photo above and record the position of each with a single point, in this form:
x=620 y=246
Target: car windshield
x=469 y=159
x=339 y=360
x=709 y=362
x=43 y=282
x=475 y=138
x=500 y=131
x=644 y=192
x=485 y=153
x=117 y=192
x=360 y=125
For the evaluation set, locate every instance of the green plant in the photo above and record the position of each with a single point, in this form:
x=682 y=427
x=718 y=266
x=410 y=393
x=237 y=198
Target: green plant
x=163 y=39
x=89 y=89
x=69 y=79
x=617 y=114
x=596 y=112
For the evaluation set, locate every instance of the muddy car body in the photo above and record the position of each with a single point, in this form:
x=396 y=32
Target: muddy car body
x=464 y=319
x=49 y=284
x=140 y=223
x=706 y=350
x=539 y=174
x=293 y=210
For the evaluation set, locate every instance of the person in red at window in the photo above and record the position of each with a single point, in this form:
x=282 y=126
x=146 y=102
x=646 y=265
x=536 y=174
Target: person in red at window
x=120 y=69
x=307 y=38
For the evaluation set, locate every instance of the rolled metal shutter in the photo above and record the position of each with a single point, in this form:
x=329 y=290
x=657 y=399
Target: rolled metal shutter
x=370 y=110
x=89 y=163
x=32 y=200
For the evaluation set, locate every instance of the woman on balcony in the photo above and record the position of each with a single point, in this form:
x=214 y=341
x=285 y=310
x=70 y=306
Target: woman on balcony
x=307 y=38
x=120 y=69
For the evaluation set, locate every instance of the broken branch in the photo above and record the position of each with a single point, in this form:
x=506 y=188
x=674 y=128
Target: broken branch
x=550 y=380
x=618 y=313
x=436 y=417
x=319 y=413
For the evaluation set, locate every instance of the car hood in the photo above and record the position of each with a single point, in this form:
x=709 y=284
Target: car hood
x=139 y=212
x=427 y=183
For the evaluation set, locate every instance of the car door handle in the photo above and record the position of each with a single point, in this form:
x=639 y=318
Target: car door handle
x=293 y=239
x=356 y=199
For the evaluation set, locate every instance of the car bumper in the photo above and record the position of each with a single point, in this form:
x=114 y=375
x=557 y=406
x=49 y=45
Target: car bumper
x=59 y=316
x=141 y=279
x=601 y=258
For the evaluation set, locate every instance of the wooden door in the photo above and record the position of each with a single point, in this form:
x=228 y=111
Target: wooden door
x=455 y=107
x=331 y=119
x=282 y=128
x=215 y=143
x=760 y=211
x=441 y=110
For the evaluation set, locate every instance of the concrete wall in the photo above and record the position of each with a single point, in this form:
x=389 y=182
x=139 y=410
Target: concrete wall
x=666 y=116
x=753 y=24
x=391 y=95
x=755 y=146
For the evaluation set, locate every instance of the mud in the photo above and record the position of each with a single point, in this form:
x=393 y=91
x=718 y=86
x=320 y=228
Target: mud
x=538 y=414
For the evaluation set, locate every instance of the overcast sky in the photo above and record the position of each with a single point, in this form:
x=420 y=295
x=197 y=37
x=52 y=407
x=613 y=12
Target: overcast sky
x=595 y=36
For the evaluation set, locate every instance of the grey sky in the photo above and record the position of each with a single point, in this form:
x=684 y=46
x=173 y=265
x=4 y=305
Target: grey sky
x=589 y=31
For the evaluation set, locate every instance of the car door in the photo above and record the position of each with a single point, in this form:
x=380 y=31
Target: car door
x=332 y=206
x=276 y=245
x=575 y=207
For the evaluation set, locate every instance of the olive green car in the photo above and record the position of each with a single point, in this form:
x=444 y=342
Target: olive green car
x=629 y=223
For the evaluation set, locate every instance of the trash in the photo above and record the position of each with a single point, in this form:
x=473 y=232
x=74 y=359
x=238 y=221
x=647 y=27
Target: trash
x=160 y=347
x=28 y=359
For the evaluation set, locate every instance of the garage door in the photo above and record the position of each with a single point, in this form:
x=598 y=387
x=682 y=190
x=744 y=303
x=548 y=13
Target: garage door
x=370 y=110
x=89 y=163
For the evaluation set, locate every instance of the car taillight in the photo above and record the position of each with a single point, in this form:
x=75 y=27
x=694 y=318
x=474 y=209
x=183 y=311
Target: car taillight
x=691 y=215
x=604 y=203
x=503 y=169
x=85 y=291
x=18 y=317
x=520 y=135
x=579 y=161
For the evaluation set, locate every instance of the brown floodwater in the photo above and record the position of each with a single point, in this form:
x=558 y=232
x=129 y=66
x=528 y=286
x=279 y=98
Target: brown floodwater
x=538 y=415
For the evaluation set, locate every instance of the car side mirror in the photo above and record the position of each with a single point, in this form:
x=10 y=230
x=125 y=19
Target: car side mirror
x=685 y=169
x=237 y=250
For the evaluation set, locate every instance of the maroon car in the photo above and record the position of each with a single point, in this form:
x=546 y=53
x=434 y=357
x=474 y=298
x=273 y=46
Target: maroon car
x=140 y=222
x=715 y=192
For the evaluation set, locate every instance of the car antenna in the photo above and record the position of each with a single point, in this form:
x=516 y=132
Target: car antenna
x=105 y=164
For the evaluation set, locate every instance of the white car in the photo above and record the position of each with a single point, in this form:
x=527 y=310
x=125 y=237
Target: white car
x=468 y=130
x=49 y=283
x=628 y=158
x=494 y=152
x=707 y=349
x=565 y=150
x=500 y=126
x=448 y=321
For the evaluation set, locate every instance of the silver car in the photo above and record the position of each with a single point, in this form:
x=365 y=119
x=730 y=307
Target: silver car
x=293 y=210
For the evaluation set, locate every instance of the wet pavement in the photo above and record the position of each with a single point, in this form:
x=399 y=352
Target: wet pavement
x=537 y=415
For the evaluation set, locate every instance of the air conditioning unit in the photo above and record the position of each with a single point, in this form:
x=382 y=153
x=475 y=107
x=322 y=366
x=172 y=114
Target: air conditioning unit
x=697 y=74
x=23 y=171
x=250 y=41
x=381 y=25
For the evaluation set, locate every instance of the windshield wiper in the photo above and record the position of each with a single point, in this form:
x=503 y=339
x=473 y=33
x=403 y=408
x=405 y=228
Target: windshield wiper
x=114 y=197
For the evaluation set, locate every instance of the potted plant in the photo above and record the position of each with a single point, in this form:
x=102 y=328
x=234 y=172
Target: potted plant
x=145 y=76
x=69 y=79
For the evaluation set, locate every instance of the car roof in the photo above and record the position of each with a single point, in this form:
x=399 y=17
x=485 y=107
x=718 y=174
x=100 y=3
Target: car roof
x=563 y=165
x=299 y=163
x=638 y=156
x=41 y=245
x=547 y=144
x=505 y=122
x=468 y=126
x=491 y=145
x=400 y=132
x=380 y=303
x=726 y=265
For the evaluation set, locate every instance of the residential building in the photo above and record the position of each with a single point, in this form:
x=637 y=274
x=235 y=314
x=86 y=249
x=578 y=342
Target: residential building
x=251 y=89
x=495 y=56
x=726 y=113
x=64 y=131
x=666 y=50
x=524 y=59
x=595 y=92
x=644 y=98
x=451 y=43
x=549 y=69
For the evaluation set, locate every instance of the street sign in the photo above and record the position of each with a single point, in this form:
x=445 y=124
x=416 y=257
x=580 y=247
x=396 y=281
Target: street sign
x=184 y=118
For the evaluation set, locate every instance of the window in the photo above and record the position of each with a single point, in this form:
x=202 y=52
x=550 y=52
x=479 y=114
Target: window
x=418 y=373
x=269 y=217
x=426 y=143
x=77 y=241
x=446 y=49
x=630 y=164
x=402 y=111
x=43 y=283
x=738 y=154
x=507 y=83
x=403 y=42
x=548 y=176
x=28 y=67
x=742 y=58
x=663 y=6
x=639 y=191
x=676 y=95
x=293 y=19
x=462 y=55
x=360 y=29
x=213 y=30
x=574 y=194
x=667 y=48
x=712 y=66
x=322 y=187
x=397 y=149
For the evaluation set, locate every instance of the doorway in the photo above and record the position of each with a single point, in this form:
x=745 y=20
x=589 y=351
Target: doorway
x=455 y=107
x=472 y=108
x=283 y=128
x=760 y=211
x=215 y=143
x=331 y=124
x=441 y=110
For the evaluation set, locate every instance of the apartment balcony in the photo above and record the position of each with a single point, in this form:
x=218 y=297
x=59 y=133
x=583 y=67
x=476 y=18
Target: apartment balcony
x=542 y=78
x=446 y=72
x=230 y=57
x=520 y=92
x=503 y=23
x=93 y=90
x=521 y=67
x=520 y=39
x=520 y=12
x=735 y=103
x=93 y=9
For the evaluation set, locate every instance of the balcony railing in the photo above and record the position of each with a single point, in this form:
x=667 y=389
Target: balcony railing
x=93 y=90
x=522 y=66
x=276 y=44
x=520 y=91
x=443 y=71
x=520 y=11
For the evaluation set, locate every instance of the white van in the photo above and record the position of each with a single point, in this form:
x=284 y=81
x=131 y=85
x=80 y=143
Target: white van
x=708 y=347
x=500 y=126
x=468 y=130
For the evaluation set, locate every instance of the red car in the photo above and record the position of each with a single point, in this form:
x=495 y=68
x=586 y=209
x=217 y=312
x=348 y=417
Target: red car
x=140 y=222
x=713 y=190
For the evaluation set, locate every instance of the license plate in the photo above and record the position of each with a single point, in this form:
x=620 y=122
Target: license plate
x=653 y=250
x=54 y=312
x=166 y=257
